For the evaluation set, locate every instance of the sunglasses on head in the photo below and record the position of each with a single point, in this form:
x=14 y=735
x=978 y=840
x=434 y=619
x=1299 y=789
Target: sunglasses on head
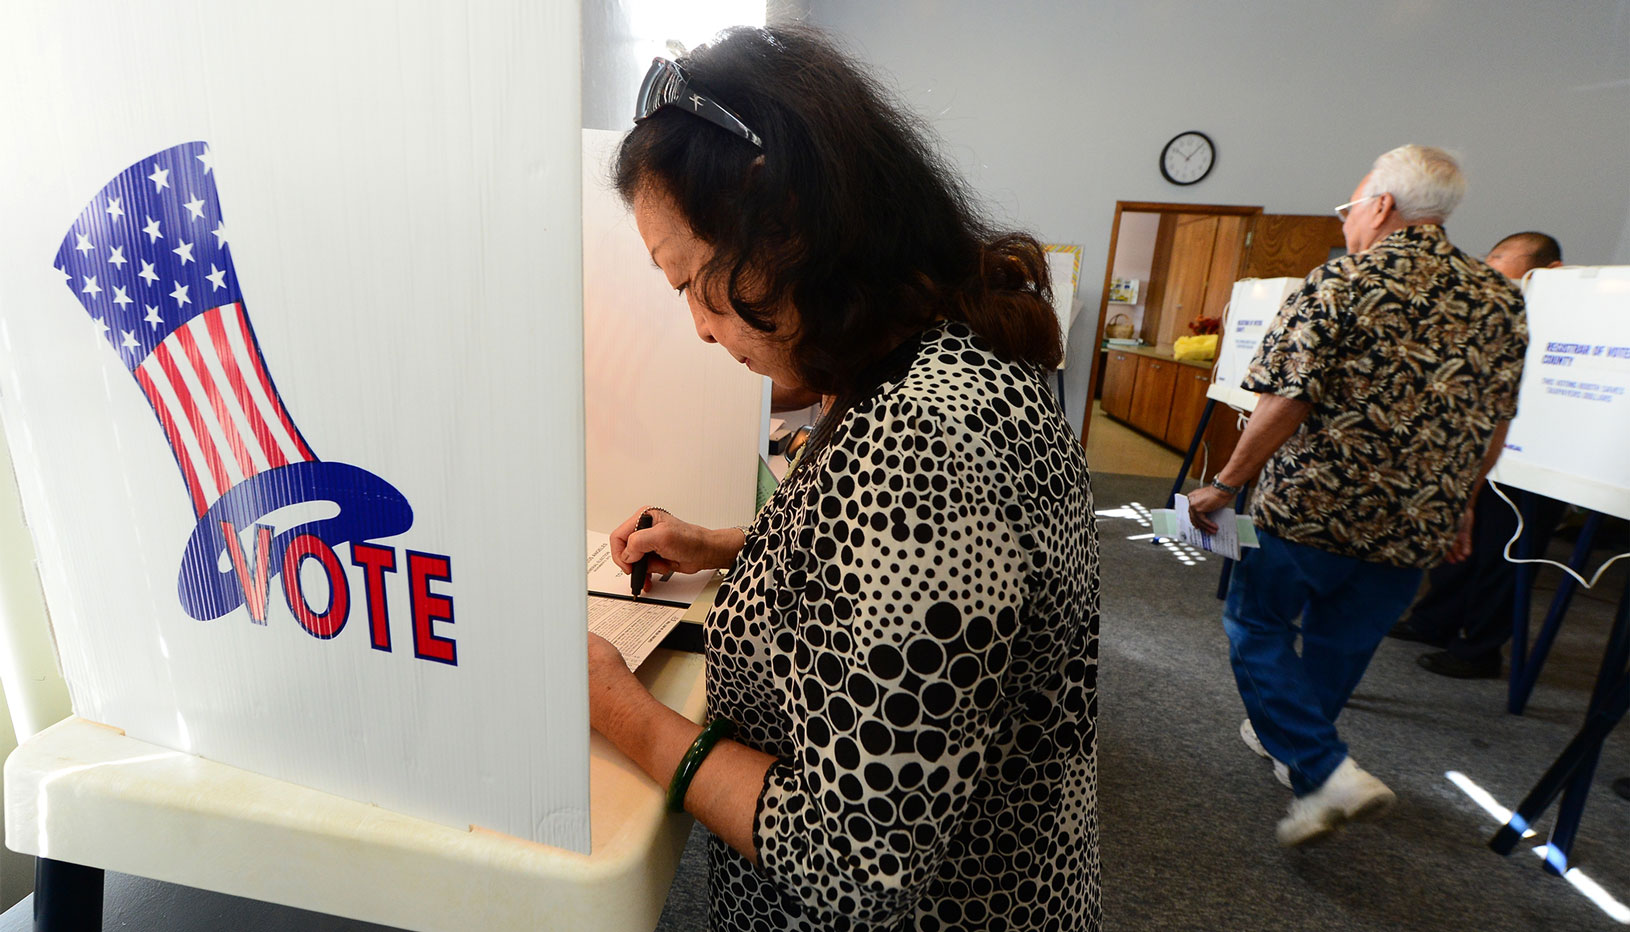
x=666 y=84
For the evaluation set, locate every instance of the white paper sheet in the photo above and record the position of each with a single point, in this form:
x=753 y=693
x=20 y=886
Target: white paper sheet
x=605 y=579
x=1234 y=531
x=634 y=628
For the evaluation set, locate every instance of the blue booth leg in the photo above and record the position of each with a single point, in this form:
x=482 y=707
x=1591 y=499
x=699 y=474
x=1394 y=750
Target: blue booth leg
x=67 y=897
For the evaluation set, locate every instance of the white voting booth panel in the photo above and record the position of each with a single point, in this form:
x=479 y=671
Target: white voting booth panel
x=671 y=421
x=1571 y=437
x=1252 y=306
x=290 y=368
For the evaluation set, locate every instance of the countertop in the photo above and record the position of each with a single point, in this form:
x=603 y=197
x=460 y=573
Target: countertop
x=1154 y=353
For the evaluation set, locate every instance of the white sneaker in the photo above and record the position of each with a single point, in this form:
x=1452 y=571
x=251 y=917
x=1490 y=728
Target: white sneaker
x=1349 y=794
x=1247 y=733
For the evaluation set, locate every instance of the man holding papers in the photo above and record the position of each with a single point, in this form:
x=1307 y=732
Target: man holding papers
x=1385 y=385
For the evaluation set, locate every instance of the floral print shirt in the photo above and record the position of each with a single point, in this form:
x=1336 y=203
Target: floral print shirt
x=1409 y=354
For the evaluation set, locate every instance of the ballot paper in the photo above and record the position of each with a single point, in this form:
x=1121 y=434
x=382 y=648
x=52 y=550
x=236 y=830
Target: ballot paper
x=1233 y=530
x=634 y=628
x=605 y=579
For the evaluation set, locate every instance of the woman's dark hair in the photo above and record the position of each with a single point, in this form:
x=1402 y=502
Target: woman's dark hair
x=847 y=213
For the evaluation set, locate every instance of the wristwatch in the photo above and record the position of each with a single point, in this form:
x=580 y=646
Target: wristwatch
x=1222 y=486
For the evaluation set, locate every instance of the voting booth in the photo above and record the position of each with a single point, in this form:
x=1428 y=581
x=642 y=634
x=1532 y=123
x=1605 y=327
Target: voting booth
x=292 y=371
x=1252 y=307
x=1570 y=439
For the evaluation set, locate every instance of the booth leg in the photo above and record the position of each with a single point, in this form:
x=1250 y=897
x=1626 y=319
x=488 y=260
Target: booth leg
x=67 y=897
x=1194 y=448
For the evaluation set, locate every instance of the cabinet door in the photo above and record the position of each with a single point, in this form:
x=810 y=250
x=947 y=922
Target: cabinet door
x=1227 y=255
x=1185 y=291
x=1120 y=372
x=1291 y=245
x=1188 y=400
x=1152 y=395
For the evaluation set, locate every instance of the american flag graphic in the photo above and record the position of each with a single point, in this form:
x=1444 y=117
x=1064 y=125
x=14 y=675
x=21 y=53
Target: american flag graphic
x=150 y=261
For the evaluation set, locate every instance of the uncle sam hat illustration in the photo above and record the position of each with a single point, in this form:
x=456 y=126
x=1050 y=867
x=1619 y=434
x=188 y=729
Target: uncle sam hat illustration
x=150 y=262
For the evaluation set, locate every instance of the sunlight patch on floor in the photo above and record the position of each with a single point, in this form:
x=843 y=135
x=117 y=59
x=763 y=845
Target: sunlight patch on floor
x=1591 y=890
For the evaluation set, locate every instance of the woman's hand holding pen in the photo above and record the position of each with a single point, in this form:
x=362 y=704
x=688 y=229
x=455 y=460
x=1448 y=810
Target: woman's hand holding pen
x=674 y=546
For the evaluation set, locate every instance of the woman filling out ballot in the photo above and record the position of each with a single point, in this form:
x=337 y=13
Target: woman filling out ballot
x=902 y=658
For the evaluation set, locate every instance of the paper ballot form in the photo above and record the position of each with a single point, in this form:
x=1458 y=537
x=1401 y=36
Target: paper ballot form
x=635 y=627
x=1234 y=531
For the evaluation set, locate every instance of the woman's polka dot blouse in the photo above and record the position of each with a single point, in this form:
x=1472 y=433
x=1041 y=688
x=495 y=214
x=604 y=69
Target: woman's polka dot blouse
x=912 y=628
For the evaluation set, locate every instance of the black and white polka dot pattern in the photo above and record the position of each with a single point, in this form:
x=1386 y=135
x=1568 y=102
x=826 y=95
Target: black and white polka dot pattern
x=912 y=628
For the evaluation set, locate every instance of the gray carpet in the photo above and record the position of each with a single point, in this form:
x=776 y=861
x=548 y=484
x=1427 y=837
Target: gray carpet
x=1188 y=812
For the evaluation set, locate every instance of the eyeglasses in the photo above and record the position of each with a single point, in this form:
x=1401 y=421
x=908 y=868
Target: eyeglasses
x=1343 y=209
x=667 y=84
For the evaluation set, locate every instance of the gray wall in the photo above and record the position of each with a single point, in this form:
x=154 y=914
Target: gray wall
x=1056 y=110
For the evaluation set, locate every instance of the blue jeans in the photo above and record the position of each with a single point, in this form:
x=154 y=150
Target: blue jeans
x=1346 y=606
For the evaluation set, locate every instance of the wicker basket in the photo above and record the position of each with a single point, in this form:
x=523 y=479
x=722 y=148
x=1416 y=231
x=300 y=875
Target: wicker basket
x=1119 y=327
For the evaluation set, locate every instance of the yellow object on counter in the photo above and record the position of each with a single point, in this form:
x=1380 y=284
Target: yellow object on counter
x=1200 y=347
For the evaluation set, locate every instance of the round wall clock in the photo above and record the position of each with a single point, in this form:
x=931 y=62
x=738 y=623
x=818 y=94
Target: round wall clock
x=1188 y=157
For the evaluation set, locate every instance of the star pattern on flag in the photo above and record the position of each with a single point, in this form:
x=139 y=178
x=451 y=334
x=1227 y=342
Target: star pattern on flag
x=137 y=278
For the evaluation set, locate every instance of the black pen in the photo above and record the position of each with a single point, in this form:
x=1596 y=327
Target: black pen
x=636 y=574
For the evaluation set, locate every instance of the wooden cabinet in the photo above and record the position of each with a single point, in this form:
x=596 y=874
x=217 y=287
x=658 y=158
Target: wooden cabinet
x=1195 y=263
x=1152 y=395
x=1120 y=374
x=1164 y=399
x=1188 y=400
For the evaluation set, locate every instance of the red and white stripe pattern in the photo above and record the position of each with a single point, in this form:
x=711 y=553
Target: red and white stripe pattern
x=209 y=386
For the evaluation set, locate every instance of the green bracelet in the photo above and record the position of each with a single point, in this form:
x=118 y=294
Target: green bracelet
x=692 y=761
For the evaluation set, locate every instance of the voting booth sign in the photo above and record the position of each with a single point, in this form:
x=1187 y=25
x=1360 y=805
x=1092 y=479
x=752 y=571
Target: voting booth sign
x=1570 y=439
x=291 y=373
x=1252 y=307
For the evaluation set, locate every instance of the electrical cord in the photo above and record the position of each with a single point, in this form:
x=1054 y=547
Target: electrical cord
x=1564 y=568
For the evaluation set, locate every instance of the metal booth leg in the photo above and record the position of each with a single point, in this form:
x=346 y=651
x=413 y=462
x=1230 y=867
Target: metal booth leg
x=67 y=897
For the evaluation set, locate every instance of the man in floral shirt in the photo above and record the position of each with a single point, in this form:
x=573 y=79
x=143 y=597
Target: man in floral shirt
x=1385 y=387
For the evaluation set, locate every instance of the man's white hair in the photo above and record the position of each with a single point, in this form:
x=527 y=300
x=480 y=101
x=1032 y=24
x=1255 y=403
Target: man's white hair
x=1425 y=182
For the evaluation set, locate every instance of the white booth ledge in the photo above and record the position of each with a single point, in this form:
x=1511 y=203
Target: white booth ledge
x=87 y=794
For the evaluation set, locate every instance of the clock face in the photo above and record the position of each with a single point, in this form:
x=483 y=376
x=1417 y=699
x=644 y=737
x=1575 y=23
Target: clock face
x=1187 y=158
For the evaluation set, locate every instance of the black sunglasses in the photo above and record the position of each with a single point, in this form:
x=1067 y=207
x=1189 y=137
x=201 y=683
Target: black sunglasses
x=667 y=84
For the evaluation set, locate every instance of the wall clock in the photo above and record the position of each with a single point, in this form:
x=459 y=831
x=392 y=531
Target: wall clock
x=1188 y=157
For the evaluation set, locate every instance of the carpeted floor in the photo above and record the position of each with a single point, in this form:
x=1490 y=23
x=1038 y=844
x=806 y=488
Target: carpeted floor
x=1188 y=812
